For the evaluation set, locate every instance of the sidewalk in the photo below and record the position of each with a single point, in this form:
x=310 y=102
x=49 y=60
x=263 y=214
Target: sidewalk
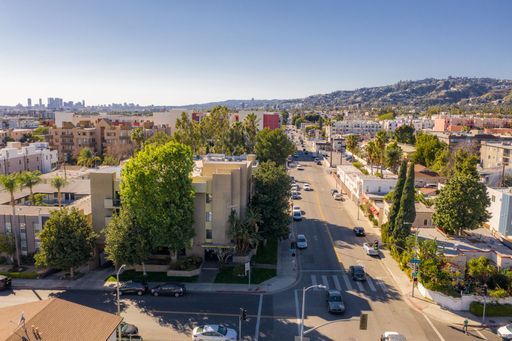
x=95 y=280
x=404 y=284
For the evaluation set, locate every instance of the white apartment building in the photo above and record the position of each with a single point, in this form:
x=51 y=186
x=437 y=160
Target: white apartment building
x=357 y=183
x=501 y=211
x=418 y=124
x=36 y=156
x=358 y=127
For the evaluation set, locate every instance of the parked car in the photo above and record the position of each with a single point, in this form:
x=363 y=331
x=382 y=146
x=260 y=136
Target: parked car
x=335 y=303
x=133 y=288
x=334 y=191
x=307 y=187
x=169 y=289
x=295 y=187
x=5 y=282
x=337 y=196
x=302 y=242
x=392 y=336
x=505 y=332
x=299 y=167
x=357 y=272
x=295 y=195
x=128 y=329
x=214 y=332
x=370 y=250
x=359 y=231
x=297 y=215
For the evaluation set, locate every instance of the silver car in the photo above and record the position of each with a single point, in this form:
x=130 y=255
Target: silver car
x=302 y=242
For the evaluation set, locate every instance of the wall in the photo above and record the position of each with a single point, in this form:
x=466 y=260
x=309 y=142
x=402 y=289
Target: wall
x=500 y=209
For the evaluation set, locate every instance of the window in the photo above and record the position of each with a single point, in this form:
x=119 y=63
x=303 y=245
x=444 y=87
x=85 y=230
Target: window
x=425 y=222
x=8 y=227
x=209 y=234
x=208 y=198
x=493 y=198
x=208 y=216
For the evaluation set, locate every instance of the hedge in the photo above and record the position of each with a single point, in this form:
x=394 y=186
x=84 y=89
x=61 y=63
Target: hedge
x=22 y=275
x=491 y=309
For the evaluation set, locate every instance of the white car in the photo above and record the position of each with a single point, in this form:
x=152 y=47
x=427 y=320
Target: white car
x=392 y=336
x=505 y=332
x=299 y=167
x=370 y=250
x=337 y=196
x=214 y=332
x=297 y=215
x=295 y=187
x=307 y=187
x=302 y=242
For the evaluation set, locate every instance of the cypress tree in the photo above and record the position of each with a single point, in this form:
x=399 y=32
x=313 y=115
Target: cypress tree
x=407 y=212
x=387 y=231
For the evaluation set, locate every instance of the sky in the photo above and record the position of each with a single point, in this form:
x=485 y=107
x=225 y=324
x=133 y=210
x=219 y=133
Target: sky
x=194 y=51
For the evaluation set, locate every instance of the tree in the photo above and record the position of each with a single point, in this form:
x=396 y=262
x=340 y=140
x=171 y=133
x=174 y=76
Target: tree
x=67 y=240
x=59 y=183
x=392 y=156
x=352 y=143
x=10 y=183
x=407 y=213
x=125 y=241
x=30 y=179
x=137 y=136
x=427 y=148
x=273 y=145
x=244 y=233
x=298 y=120
x=481 y=269
x=271 y=199
x=156 y=188
x=236 y=139
x=250 y=126
x=462 y=203
x=372 y=153
x=159 y=138
x=214 y=128
x=109 y=160
x=388 y=230
x=86 y=158
x=284 y=116
x=405 y=134
x=8 y=245
x=187 y=132
x=381 y=138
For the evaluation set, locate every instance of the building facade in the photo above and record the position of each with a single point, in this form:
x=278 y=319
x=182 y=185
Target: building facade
x=501 y=211
x=36 y=156
x=493 y=155
x=357 y=127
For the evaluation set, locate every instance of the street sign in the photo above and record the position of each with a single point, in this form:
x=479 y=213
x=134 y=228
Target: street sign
x=247 y=267
x=415 y=261
x=415 y=273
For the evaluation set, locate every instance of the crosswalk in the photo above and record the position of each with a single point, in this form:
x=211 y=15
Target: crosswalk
x=343 y=282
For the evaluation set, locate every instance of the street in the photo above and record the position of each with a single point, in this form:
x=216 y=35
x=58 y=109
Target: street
x=332 y=248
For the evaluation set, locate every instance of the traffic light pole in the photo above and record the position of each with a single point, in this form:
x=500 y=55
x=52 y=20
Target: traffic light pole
x=240 y=329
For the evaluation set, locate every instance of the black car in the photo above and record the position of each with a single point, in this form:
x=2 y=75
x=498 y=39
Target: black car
x=133 y=288
x=357 y=273
x=335 y=303
x=169 y=289
x=359 y=231
x=5 y=282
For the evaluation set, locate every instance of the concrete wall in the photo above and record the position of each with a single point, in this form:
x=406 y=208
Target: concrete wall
x=102 y=187
x=501 y=211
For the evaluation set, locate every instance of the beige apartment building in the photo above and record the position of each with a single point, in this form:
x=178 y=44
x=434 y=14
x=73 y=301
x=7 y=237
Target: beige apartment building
x=36 y=156
x=493 y=155
x=220 y=183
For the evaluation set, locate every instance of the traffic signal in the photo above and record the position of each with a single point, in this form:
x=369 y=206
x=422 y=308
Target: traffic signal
x=243 y=314
x=363 y=322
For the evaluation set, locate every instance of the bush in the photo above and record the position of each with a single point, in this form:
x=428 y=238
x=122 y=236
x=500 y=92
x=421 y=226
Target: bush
x=498 y=293
x=186 y=264
x=22 y=275
x=491 y=309
x=4 y=260
x=239 y=270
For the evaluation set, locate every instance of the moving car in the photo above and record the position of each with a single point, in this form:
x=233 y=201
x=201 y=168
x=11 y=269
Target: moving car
x=302 y=242
x=335 y=303
x=392 y=336
x=214 y=332
x=357 y=273
x=128 y=329
x=5 y=282
x=337 y=196
x=168 y=289
x=505 y=332
x=297 y=215
x=295 y=195
x=133 y=288
x=307 y=187
x=359 y=231
x=370 y=250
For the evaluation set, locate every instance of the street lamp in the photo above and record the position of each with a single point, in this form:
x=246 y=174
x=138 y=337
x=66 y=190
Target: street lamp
x=320 y=286
x=121 y=268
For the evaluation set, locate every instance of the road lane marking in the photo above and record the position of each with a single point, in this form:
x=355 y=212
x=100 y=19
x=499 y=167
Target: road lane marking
x=433 y=327
x=480 y=333
x=257 y=329
x=313 y=281
x=325 y=281
x=336 y=283
x=297 y=311
x=370 y=284
x=306 y=270
x=360 y=286
x=347 y=281
x=202 y=313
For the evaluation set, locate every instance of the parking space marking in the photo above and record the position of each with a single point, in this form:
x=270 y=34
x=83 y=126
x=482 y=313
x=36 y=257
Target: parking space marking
x=257 y=329
x=347 y=281
x=336 y=283
x=360 y=286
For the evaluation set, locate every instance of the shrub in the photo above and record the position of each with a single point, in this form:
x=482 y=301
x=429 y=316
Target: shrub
x=492 y=309
x=4 y=260
x=22 y=275
x=239 y=270
x=186 y=264
x=498 y=293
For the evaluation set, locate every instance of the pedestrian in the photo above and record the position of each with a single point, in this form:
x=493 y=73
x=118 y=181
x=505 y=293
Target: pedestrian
x=465 y=328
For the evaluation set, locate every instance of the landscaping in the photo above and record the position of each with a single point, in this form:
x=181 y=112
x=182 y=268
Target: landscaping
x=491 y=309
x=131 y=275
x=267 y=254
x=235 y=275
x=21 y=275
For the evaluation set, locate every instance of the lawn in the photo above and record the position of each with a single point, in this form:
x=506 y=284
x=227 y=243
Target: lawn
x=23 y=275
x=492 y=309
x=267 y=254
x=131 y=275
x=257 y=276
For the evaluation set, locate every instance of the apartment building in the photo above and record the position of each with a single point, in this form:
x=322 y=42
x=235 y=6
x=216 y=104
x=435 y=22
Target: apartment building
x=356 y=183
x=36 y=156
x=270 y=120
x=494 y=155
x=501 y=211
x=357 y=127
x=221 y=184
x=447 y=123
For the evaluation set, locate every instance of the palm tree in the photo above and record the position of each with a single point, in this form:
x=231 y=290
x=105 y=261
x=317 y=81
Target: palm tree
x=380 y=143
x=87 y=158
x=373 y=153
x=137 y=137
x=242 y=233
x=11 y=182
x=30 y=179
x=59 y=182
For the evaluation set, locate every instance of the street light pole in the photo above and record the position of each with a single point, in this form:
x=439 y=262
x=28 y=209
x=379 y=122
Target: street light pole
x=303 y=306
x=121 y=268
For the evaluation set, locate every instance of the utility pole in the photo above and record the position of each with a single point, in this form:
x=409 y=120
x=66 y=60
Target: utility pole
x=502 y=173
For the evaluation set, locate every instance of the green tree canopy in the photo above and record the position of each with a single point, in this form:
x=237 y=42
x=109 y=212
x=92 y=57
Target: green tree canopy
x=137 y=137
x=271 y=199
x=352 y=142
x=273 y=145
x=250 y=131
x=407 y=213
x=30 y=179
x=67 y=240
x=58 y=182
x=7 y=244
x=156 y=188
x=388 y=230
x=159 y=138
x=187 y=132
x=481 y=269
x=427 y=149
x=86 y=158
x=405 y=134
x=392 y=156
x=214 y=129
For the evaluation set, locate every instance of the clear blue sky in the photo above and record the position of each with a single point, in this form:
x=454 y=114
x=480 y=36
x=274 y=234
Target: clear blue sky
x=182 y=52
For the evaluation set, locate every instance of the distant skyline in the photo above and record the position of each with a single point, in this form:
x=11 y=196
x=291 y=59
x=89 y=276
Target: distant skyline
x=187 y=52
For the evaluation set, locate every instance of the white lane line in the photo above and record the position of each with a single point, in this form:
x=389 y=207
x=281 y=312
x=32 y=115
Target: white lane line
x=297 y=311
x=336 y=283
x=313 y=281
x=433 y=327
x=370 y=283
x=257 y=330
x=347 y=281
x=360 y=286
x=480 y=333
x=325 y=281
